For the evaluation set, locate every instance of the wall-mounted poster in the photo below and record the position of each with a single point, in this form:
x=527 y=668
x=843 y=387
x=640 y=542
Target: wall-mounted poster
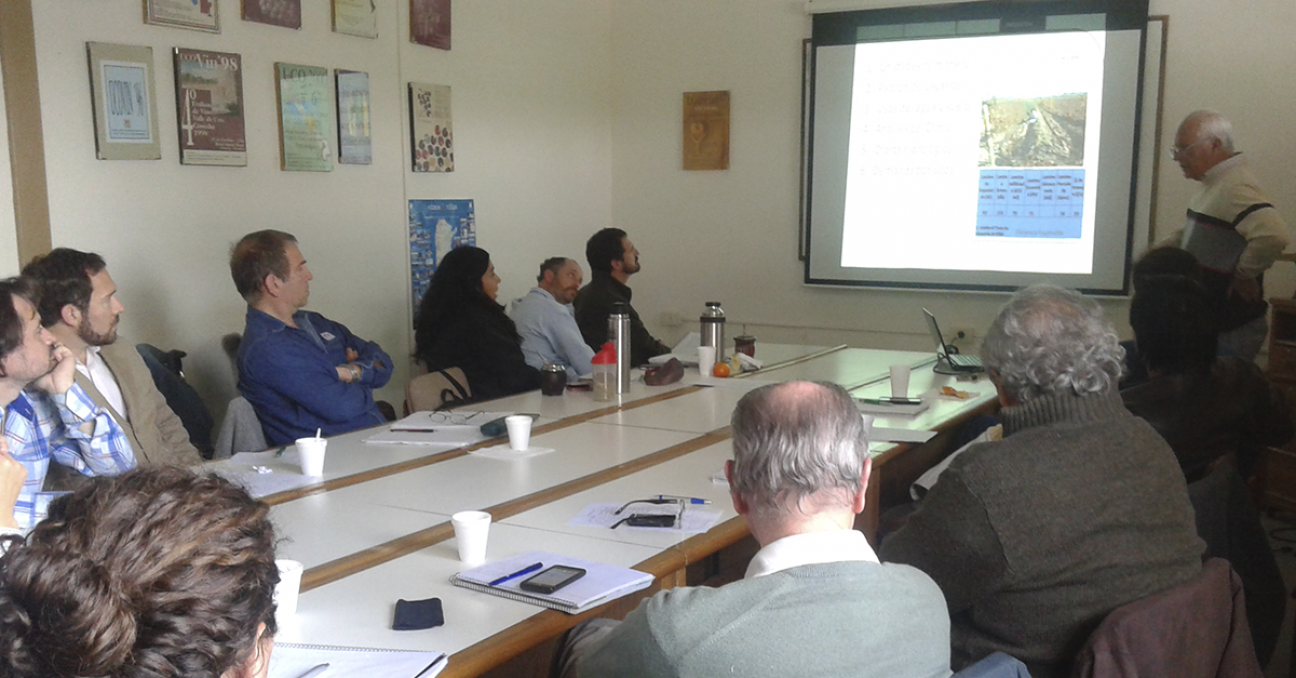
x=286 y=13
x=706 y=130
x=430 y=23
x=355 y=17
x=436 y=227
x=209 y=99
x=199 y=15
x=305 y=118
x=355 y=141
x=430 y=136
x=125 y=107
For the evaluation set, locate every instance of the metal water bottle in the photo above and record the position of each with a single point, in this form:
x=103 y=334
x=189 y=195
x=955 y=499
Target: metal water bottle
x=619 y=335
x=713 y=328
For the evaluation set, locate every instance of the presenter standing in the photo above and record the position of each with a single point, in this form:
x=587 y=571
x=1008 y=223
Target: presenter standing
x=1232 y=229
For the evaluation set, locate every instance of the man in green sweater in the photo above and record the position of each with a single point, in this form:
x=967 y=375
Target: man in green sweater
x=815 y=601
x=1080 y=509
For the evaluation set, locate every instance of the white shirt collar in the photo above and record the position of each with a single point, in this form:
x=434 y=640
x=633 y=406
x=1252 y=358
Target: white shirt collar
x=811 y=548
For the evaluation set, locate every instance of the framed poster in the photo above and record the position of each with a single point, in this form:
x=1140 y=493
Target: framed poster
x=430 y=23
x=123 y=98
x=286 y=13
x=355 y=17
x=431 y=141
x=706 y=130
x=198 y=15
x=435 y=228
x=209 y=100
x=355 y=140
x=305 y=118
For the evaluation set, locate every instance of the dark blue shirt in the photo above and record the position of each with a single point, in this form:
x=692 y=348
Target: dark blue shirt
x=289 y=374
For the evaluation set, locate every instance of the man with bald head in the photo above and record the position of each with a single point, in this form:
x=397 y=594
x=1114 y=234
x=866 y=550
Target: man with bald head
x=815 y=601
x=1232 y=229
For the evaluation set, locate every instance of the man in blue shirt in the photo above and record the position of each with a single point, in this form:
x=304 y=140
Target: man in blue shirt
x=546 y=322
x=300 y=370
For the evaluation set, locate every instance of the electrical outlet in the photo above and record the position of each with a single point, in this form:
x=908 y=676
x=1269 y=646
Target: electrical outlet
x=961 y=336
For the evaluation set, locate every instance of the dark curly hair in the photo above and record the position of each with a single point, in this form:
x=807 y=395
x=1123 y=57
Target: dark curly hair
x=605 y=247
x=455 y=285
x=156 y=573
x=64 y=278
x=11 y=325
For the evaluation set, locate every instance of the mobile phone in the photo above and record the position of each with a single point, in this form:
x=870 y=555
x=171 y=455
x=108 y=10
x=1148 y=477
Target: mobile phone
x=551 y=579
x=902 y=401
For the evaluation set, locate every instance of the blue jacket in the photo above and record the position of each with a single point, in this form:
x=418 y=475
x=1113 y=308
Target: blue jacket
x=289 y=374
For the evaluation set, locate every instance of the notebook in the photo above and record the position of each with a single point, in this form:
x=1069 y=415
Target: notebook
x=291 y=660
x=601 y=583
x=957 y=362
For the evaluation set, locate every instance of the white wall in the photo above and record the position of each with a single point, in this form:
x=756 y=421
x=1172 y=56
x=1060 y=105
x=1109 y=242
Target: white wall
x=532 y=132
x=731 y=235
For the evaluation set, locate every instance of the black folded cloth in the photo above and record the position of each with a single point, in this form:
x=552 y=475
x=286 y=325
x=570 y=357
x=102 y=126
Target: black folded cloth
x=412 y=615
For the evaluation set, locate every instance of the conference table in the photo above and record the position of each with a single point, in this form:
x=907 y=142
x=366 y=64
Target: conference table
x=376 y=527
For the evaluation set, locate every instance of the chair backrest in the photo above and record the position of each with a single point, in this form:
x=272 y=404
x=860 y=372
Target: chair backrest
x=1195 y=630
x=241 y=431
x=435 y=390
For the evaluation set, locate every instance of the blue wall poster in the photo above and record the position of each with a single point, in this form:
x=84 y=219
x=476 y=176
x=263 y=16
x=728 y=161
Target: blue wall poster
x=435 y=228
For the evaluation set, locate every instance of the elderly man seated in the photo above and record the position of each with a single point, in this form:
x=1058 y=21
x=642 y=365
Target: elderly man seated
x=815 y=601
x=1080 y=509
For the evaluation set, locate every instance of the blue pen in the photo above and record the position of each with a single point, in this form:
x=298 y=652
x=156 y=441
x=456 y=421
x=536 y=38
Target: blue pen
x=691 y=500
x=526 y=570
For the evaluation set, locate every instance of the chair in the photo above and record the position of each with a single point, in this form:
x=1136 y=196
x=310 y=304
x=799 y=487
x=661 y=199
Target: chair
x=1195 y=630
x=435 y=390
x=241 y=431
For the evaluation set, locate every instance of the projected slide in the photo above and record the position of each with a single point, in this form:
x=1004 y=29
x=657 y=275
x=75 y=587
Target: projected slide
x=974 y=153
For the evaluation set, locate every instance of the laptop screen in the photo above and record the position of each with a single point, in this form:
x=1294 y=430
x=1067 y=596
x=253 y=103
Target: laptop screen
x=936 y=333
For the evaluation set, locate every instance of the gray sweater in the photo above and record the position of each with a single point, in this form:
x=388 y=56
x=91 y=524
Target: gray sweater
x=857 y=619
x=1034 y=539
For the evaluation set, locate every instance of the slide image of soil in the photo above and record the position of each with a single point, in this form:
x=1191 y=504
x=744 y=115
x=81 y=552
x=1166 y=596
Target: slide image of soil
x=1040 y=132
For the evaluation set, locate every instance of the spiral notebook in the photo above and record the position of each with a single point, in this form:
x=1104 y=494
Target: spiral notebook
x=601 y=583
x=291 y=660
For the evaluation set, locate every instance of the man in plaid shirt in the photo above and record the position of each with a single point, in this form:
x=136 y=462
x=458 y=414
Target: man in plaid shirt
x=55 y=420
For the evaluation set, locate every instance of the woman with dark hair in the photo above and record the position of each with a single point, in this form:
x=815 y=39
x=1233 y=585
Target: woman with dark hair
x=156 y=573
x=460 y=324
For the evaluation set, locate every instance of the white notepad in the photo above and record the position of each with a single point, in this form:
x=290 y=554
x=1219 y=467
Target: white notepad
x=291 y=660
x=600 y=584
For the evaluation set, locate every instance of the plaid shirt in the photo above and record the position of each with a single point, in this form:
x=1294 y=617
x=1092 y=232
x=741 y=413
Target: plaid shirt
x=41 y=427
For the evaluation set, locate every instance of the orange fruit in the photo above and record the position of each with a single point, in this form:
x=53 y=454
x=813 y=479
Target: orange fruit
x=721 y=370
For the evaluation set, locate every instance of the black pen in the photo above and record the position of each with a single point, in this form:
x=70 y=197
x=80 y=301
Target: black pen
x=526 y=570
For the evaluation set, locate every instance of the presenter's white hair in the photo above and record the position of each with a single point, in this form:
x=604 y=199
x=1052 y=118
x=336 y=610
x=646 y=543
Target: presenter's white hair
x=796 y=440
x=1213 y=125
x=1051 y=341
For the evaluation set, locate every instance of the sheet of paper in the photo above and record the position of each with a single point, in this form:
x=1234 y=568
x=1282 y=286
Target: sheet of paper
x=882 y=434
x=425 y=421
x=506 y=453
x=291 y=660
x=697 y=519
x=455 y=436
x=264 y=473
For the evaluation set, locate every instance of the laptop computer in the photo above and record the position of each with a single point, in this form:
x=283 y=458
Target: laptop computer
x=957 y=362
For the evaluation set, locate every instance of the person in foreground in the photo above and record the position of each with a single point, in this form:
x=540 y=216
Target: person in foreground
x=460 y=324
x=1080 y=509
x=547 y=323
x=815 y=600
x=300 y=370
x=79 y=306
x=612 y=260
x=158 y=572
x=1231 y=227
x=53 y=422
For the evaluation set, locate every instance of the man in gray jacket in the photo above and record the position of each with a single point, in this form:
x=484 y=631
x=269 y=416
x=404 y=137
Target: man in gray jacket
x=815 y=600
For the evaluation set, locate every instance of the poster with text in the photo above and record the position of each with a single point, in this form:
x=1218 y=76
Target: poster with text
x=198 y=15
x=355 y=141
x=355 y=17
x=124 y=102
x=706 y=130
x=286 y=13
x=432 y=143
x=435 y=228
x=305 y=118
x=209 y=99
x=430 y=23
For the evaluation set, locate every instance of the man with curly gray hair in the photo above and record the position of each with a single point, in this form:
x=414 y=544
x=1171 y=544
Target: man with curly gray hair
x=1080 y=509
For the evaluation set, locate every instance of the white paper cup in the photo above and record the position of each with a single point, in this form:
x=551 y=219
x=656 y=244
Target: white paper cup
x=519 y=431
x=899 y=381
x=471 y=529
x=706 y=360
x=311 y=451
x=286 y=591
